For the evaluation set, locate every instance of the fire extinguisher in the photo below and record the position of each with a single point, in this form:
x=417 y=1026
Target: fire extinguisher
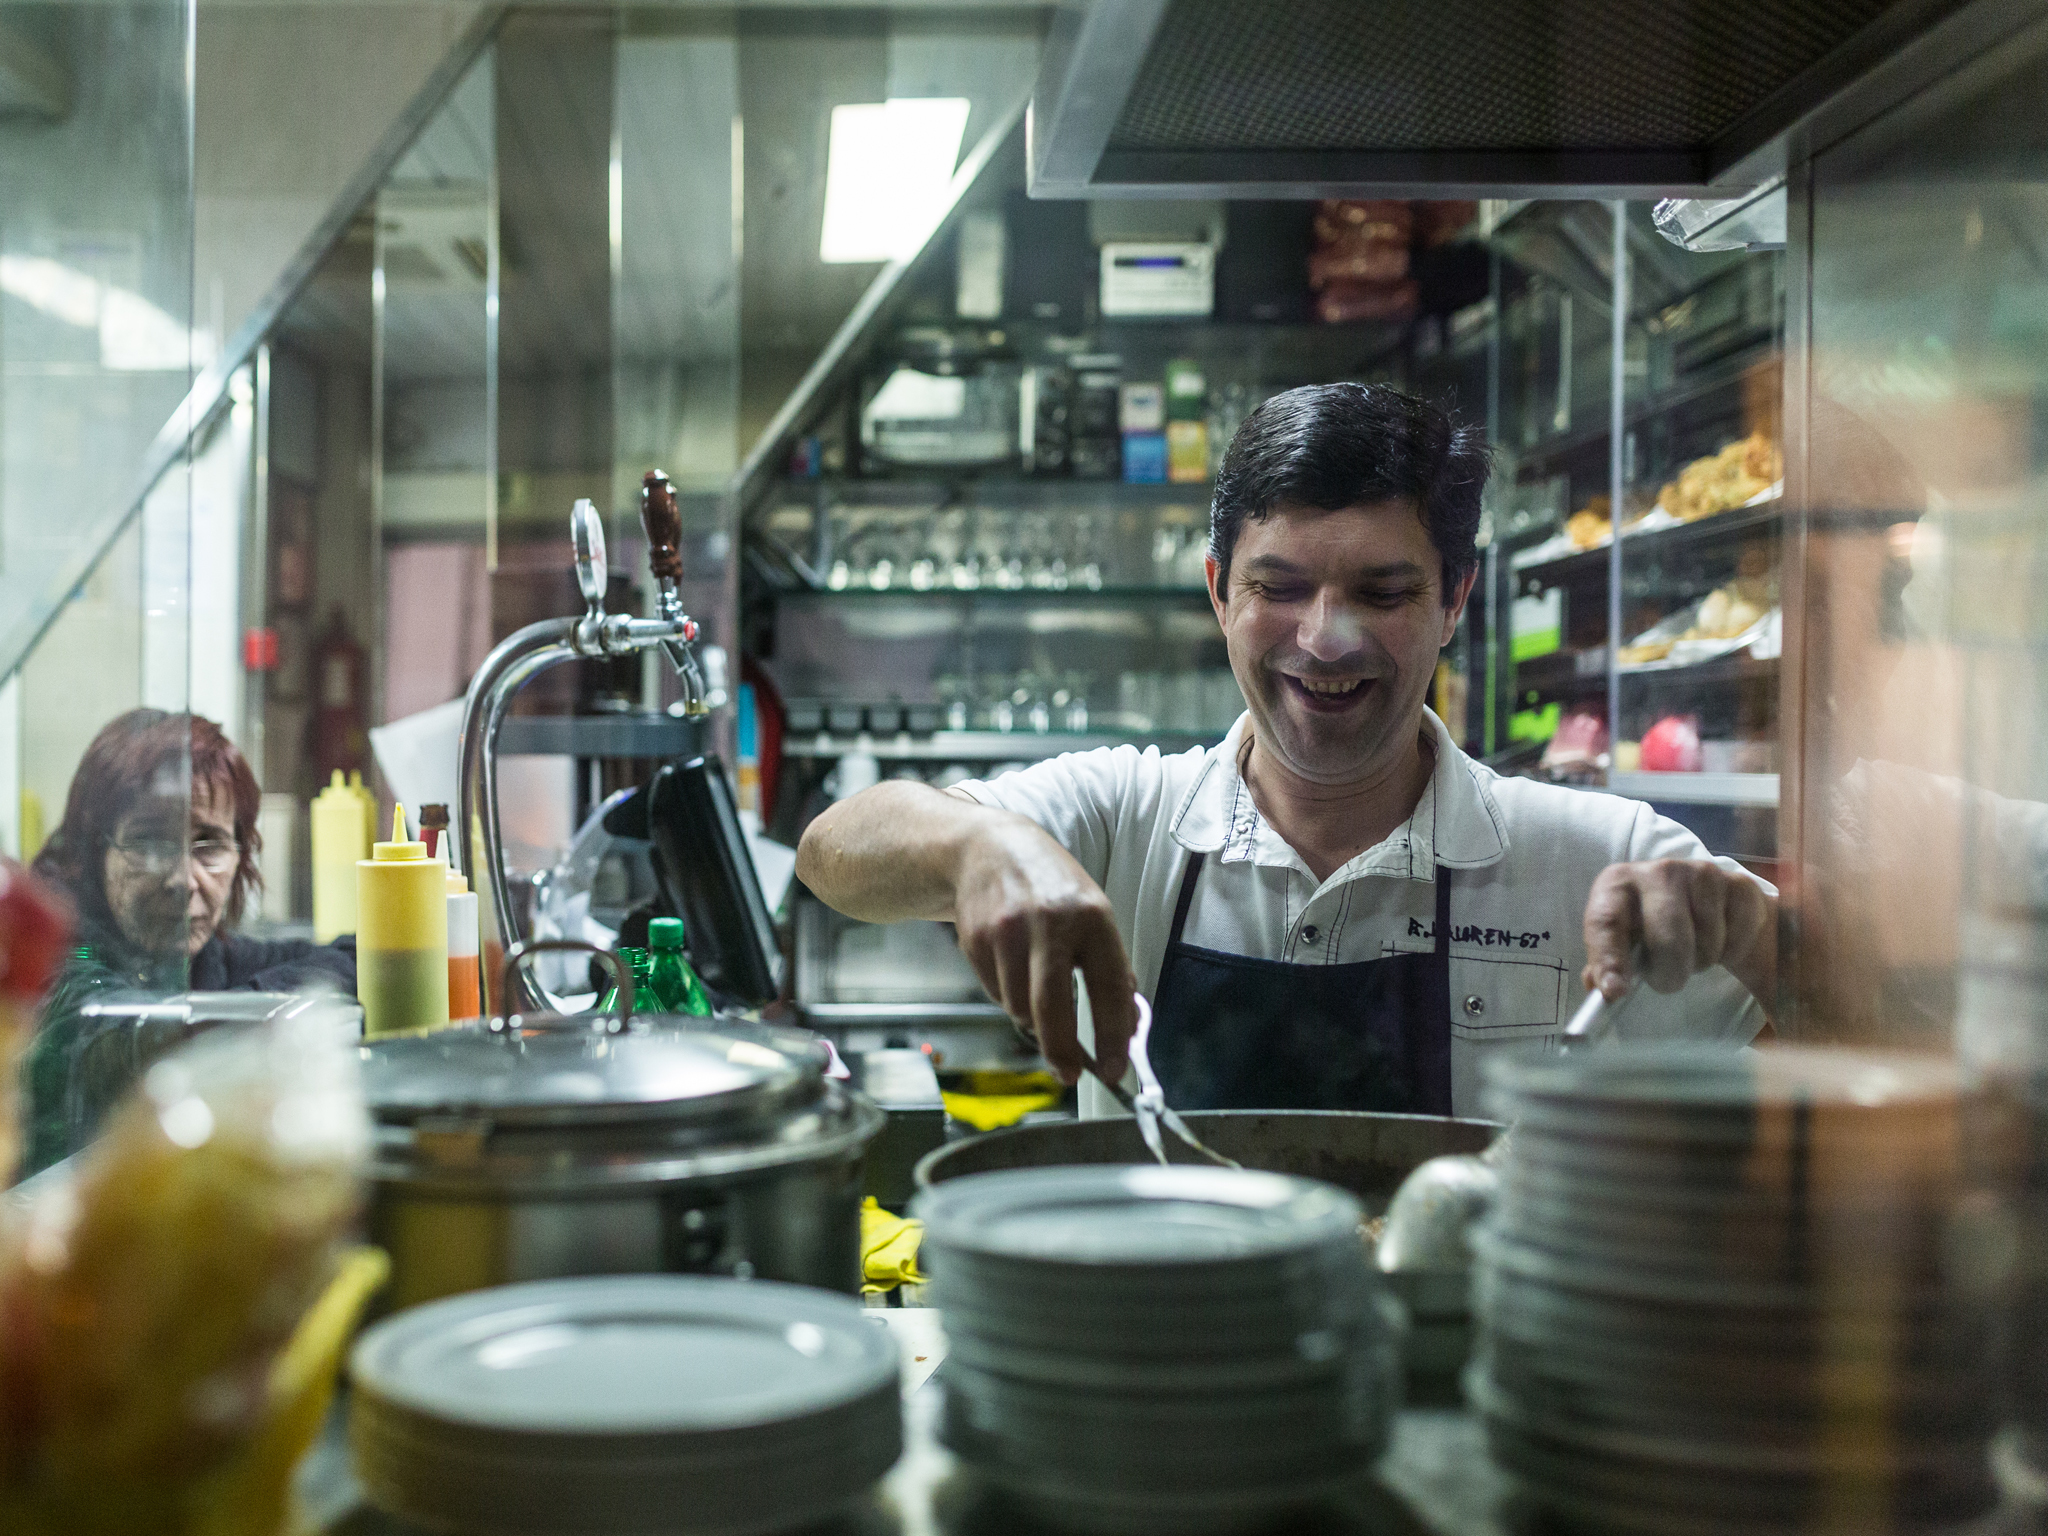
x=341 y=704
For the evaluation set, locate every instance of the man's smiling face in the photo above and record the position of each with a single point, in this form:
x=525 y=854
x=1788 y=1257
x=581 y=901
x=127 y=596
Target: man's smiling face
x=1334 y=621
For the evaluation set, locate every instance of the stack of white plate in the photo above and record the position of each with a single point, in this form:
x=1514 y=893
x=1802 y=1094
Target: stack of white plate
x=1720 y=1293
x=1158 y=1348
x=636 y=1404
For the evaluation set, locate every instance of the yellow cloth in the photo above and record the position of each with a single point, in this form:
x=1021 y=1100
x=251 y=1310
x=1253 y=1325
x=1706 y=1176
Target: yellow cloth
x=992 y=1111
x=989 y=1099
x=888 y=1248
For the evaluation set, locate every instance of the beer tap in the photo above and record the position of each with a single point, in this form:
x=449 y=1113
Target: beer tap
x=528 y=652
x=663 y=524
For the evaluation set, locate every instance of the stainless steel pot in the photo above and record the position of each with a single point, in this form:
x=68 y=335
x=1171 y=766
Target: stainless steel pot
x=1367 y=1154
x=576 y=1147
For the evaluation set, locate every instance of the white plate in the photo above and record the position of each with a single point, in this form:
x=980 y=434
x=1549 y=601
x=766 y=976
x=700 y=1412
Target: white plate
x=1673 y=1079
x=626 y=1355
x=1140 y=1217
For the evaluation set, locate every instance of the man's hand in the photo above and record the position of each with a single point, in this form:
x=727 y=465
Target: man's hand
x=1027 y=913
x=1687 y=914
x=1028 y=917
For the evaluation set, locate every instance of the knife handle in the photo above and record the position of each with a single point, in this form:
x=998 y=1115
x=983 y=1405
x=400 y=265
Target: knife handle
x=662 y=522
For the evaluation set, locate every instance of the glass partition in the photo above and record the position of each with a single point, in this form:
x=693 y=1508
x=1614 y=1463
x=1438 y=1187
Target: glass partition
x=1923 y=477
x=1918 y=589
x=101 y=499
x=434 y=400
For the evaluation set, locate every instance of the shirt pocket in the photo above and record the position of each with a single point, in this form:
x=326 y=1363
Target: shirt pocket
x=1502 y=999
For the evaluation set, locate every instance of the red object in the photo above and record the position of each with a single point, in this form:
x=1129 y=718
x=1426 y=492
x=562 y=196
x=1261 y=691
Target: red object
x=259 y=650
x=1378 y=262
x=1580 y=742
x=35 y=925
x=1343 y=303
x=768 y=729
x=465 y=987
x=1342 y=220
x=1672 y=745
x=341 y=705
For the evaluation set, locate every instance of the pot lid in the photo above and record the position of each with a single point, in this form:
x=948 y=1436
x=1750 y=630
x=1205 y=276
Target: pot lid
x=715 y=1071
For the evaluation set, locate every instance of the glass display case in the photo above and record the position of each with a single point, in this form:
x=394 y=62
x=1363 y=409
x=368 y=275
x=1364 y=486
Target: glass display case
x=1645 y=665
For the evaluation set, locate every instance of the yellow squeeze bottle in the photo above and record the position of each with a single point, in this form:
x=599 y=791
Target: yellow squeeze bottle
x=401 y=935
x=341 y=837
x=361 y=791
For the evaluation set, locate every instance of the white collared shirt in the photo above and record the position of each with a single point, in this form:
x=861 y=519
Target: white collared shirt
x=1522 y=855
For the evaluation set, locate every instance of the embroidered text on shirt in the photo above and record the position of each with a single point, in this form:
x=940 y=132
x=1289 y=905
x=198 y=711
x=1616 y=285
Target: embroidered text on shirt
x=1493 y=938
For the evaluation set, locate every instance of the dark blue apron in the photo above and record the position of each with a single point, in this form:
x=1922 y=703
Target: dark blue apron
x=1232 y=1032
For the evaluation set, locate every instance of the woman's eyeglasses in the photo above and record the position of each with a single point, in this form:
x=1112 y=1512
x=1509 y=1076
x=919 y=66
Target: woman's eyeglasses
x=160 y=855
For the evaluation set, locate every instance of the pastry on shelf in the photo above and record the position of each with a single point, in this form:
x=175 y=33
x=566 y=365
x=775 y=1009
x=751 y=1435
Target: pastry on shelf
x=1592 y=525
x=1740 y=472
x=1725 y=614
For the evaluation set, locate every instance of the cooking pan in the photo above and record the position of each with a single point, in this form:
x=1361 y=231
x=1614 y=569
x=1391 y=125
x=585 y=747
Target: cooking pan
x=1365 y=1153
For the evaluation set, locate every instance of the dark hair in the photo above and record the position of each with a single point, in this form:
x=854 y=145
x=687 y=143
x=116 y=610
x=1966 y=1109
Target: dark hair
x=1341 y=445
x=145 y=753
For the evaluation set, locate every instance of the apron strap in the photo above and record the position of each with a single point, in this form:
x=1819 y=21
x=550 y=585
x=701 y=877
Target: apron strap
x=1433 y=1075
x=1187 y=897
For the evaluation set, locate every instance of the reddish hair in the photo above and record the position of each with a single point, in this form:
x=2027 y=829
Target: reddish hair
x=145 y=754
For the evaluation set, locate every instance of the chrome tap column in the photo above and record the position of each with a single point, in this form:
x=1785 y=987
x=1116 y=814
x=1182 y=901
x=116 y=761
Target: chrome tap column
x=531 y=651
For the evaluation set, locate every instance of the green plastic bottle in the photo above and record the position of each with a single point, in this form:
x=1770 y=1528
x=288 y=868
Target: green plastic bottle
x=645 y=998
x=674 y=982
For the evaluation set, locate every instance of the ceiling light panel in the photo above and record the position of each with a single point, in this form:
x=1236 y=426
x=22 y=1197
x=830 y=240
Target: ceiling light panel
x=889 y=166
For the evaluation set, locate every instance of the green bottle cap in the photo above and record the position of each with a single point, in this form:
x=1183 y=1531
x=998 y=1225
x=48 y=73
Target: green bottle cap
x=665 y=933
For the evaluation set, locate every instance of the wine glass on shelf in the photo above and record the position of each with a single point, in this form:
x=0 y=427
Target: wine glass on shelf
x=1034 y=698
x=1002 y=713
x=1072 y=702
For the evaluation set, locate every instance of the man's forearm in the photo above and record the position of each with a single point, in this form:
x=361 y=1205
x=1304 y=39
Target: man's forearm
x=890 y=852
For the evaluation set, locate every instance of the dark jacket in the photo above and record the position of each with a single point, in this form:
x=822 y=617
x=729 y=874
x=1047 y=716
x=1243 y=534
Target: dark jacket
x=79 y=1067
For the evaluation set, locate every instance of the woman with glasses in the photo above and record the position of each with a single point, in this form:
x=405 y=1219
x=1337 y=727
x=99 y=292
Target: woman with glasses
x=157 y=851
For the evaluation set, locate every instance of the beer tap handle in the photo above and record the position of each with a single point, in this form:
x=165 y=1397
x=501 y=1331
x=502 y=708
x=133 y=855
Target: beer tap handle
x=586 y=532
x=663 y=524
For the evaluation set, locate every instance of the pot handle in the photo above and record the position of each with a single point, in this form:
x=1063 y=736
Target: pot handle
x=526 y=949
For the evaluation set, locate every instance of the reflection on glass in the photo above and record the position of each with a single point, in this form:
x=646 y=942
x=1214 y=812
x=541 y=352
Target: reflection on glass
x=157 y=852
x=1922 y=814
x=1919 y=912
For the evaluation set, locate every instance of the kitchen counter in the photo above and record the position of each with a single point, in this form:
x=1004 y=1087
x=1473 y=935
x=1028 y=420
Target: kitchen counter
x=1435 y=1479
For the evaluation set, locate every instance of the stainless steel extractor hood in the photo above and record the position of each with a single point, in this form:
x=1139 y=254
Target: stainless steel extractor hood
x=1497 y=98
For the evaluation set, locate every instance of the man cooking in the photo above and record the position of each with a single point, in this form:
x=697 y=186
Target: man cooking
x=1335 y=908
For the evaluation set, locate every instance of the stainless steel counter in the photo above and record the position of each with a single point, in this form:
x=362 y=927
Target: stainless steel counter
x=1434 y=1480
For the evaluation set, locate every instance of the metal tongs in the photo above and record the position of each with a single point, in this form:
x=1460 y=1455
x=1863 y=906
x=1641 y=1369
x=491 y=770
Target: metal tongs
x=1149 y=1104
x=1596 y=1015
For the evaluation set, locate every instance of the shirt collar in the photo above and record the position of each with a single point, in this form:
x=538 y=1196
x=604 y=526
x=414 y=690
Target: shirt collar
x=1457 y=822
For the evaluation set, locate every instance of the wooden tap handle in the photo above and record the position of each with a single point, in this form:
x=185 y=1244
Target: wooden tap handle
x=663 y=524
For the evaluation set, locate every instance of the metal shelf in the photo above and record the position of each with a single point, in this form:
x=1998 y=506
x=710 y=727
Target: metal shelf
x=1052 y=596
x=1559 y=681
x=989 y=746
x=967 y=487
x=1696 y=788
x=635 y=735
x=903 y=1013
x=1591 y=564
